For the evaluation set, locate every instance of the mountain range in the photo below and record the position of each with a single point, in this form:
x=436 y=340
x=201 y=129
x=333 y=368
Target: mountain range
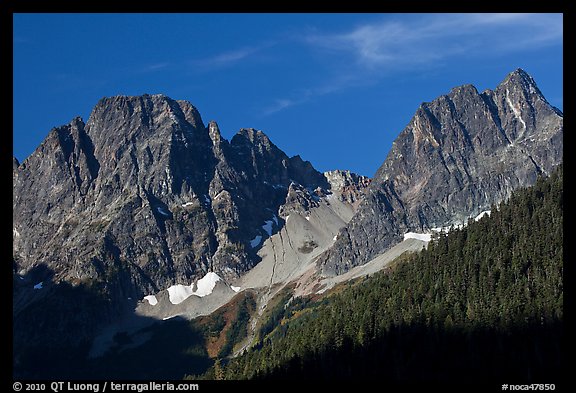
x=143 y=210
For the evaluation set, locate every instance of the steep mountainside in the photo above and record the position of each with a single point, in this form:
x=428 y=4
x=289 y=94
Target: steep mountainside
x=144 y=200
x=459 y=154
x=486 y=299
x=143 y=196
x=305 y=226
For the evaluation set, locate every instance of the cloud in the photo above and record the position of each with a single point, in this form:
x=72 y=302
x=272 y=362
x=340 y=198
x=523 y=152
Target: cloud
x=301 y=96
x=369 y=52
x=232 y=56
x=399 y=42
x=228 y=58
x=219 y=60
x=156 y=67
x=280 y=104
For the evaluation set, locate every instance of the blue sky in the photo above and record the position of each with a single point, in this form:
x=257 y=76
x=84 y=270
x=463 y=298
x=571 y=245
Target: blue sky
x=335 y=88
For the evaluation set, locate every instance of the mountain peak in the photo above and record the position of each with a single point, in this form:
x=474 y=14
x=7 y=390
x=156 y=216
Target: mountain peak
x=520 y=78
x=519 y=72
x=214 y=131
x=458 y=155
x=145 y=107
x=466 y=88
x=253 y=135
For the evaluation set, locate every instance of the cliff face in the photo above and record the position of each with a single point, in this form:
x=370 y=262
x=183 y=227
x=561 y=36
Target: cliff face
x=144 y=195
x=458 y=155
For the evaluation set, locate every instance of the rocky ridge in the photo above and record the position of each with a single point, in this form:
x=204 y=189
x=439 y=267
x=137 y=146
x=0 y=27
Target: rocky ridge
x=458 y=155
x=146 y=196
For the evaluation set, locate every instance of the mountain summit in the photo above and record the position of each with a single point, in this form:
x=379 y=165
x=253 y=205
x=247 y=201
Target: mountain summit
x=458 y=155
x=144 y=195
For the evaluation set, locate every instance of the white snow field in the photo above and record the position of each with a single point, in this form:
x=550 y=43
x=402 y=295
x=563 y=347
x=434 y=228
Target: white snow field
x=425 y=237
x=151 y=300
x=178 y=293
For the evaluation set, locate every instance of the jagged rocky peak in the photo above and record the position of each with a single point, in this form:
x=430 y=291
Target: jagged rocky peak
x=300 y=200
x=263 y=160
x=214 y=132
x=458 y=155
x=140 y=117
x=144 y=196
x=340 y=179
x=519 y=88
x=518 y=99
x=191 y=114
x=520 y=78
x=155 y=104
x=463 y=91
x=304 y=173
x=349 y=186
x=254 y=137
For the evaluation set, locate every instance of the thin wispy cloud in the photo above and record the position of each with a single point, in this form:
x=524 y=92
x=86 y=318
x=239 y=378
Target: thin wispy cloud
x=219 y=60
x=301 y=96
x=156 y=67
x=372 y=51
x=228 y=58
x=280 y=104
x=429 y=38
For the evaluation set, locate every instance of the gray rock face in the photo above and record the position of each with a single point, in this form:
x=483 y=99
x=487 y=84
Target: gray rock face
x=350 y=186
x=144 y=196
x=459 y=154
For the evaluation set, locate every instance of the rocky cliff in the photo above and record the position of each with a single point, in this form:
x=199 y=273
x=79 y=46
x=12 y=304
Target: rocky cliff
x=458 y=155
x=144 y=195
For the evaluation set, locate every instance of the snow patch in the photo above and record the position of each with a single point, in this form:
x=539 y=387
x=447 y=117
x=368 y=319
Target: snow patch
x=178 y=293
x=170 y=317
x=206 y=284
x=268 y=227
x=426 y=237
x=15 y=232
x=161 y=210
x=39 y=285
x=335 y=237
x=235 y=289
x=151 y=299
x=287 y=217
x=484 y=213
x=256 y=241
x=188 y=204
x=307 y=217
